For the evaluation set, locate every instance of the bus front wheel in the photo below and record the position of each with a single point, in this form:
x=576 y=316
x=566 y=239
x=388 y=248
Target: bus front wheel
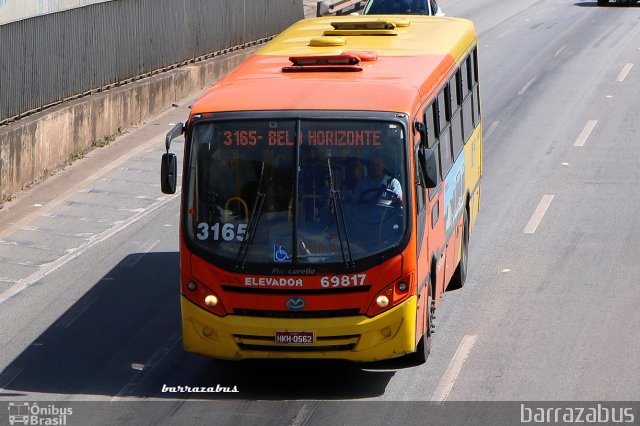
x=423 y=348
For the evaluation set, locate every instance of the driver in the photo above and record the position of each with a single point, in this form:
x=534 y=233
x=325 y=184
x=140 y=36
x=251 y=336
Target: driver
x=377 y=184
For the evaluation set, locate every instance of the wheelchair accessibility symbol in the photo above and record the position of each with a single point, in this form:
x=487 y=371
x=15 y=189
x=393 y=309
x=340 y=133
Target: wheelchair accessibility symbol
x=280 y=254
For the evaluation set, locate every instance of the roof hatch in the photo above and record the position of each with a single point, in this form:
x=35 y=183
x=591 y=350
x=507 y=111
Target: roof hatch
x=367 y=27
x=345 y=62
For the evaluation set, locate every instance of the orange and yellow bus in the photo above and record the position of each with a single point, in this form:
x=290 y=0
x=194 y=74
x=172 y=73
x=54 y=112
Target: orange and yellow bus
x=329 y=188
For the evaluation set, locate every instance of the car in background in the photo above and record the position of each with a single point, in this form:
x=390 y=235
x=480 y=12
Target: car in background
x=402 y=7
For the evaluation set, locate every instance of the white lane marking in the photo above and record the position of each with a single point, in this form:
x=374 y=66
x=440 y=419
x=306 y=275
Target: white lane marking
x=535 y=220
x=624 y=72
x=9 y=376
x=142 y=370
x=303 y=416
x=448 y=379
x=61 y=261
x=144 y=249
x=492 y=129
x=584 y=135
x=559 y=51
x=526 y=86
x=507 y=33
x=77 y=315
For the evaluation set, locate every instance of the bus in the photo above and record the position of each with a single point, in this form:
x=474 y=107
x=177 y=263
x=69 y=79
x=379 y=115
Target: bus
x=330 y=185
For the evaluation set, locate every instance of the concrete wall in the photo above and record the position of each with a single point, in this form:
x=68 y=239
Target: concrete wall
x=16 y=10
x=41 y=143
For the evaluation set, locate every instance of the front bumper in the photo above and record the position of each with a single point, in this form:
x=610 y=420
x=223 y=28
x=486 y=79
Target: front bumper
x=358 y=338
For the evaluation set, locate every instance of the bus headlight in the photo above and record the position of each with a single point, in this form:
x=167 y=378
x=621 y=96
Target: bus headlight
x=391 y=295
x=204 y=297
x=382 y=301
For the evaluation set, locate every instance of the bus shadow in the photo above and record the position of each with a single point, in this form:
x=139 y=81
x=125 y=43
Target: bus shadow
x=123 y=339
x=275 y=380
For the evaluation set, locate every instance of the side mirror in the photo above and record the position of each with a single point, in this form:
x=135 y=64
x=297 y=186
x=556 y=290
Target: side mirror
x=169 y=166
x=169 y=173
x=427 y=157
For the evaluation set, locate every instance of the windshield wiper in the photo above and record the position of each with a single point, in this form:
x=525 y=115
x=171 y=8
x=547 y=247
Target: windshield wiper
x=334 y=195
x=241 y=258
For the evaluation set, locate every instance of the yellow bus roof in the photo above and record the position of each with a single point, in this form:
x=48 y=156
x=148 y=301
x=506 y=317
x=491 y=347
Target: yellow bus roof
x=415 y=54
x=424 y=35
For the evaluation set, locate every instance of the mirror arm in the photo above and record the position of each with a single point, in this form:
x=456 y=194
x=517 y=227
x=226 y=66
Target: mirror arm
x=175 y=131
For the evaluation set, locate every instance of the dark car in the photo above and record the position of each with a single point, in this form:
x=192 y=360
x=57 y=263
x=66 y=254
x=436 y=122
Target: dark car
x=402 y=7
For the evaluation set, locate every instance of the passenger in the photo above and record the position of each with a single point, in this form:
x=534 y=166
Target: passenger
x=352 y=175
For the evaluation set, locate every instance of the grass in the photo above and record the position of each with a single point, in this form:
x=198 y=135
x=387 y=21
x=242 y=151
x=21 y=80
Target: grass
x=96 y=143
x=101 y=143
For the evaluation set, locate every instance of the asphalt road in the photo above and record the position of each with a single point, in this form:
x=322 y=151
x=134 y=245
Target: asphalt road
x=89 y=262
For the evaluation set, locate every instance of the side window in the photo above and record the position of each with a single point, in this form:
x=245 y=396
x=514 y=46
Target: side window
x=442 y=130
x=456 y=119
x=430 y=122
x=434 y=191
x=467 y=103
x=476 y=87
x=454 y=84
x=464 y=69
x=442 y=115
x=446 y=159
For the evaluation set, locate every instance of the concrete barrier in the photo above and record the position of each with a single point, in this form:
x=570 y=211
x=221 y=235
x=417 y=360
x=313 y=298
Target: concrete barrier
x=32 y=148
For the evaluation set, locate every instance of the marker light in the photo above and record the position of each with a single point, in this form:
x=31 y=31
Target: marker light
x=382 y=301
x=402 y=286
x=211 y=300
x=192 y=286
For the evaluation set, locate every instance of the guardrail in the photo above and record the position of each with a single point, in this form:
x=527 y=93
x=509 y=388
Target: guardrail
x=338 y=7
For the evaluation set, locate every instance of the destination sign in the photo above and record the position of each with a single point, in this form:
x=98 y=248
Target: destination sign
x=352 y=138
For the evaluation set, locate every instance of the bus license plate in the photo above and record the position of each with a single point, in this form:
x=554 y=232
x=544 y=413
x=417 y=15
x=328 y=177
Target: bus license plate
x=295 y=337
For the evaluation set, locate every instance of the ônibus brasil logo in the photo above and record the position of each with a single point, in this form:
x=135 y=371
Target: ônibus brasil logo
x=30 y=413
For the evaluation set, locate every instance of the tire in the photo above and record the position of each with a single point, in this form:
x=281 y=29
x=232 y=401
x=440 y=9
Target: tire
x=460 y=275
x=423 y=348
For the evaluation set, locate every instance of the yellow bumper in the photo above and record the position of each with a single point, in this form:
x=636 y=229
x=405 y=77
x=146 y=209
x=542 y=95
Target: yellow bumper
x=388 y=335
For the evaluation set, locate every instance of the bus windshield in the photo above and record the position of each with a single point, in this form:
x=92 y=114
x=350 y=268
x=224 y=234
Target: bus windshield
x=296 y=191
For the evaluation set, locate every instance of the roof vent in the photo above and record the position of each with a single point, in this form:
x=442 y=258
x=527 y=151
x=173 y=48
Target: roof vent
x=325 y=41
x=366 y=27
x=346 y=62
